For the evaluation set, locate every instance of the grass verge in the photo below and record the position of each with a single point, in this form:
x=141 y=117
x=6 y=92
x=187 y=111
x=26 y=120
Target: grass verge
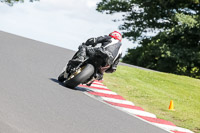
x=154 y=90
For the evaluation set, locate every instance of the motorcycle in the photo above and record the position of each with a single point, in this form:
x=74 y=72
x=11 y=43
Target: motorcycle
x=85 y=72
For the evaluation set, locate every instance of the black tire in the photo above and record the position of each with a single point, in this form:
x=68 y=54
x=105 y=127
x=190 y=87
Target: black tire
x=61 y=77
x=83 y=76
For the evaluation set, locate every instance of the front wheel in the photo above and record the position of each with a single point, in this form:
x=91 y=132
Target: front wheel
x=61 y=77
x=80 y=76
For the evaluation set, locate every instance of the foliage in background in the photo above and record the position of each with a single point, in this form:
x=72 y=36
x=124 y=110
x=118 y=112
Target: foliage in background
x=12 y=2
x=175 y=51
x=175 y=48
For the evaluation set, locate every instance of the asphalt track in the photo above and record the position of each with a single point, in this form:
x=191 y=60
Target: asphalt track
x=32 y=100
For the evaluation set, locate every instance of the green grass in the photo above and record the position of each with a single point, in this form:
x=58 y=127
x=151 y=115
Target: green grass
x=154 y=90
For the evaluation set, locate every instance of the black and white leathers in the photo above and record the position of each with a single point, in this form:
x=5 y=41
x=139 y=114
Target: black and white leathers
x=110 y=45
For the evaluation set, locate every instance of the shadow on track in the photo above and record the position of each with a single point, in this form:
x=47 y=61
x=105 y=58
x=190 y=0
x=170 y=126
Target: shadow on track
x=77 y=88
x=55 y=80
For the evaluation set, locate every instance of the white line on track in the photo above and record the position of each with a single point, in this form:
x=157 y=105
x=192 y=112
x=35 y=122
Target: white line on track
x=137 y=112
x=173 y=128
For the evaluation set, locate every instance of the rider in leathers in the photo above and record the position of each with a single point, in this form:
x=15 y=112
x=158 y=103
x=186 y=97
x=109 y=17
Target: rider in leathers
x=110 y=50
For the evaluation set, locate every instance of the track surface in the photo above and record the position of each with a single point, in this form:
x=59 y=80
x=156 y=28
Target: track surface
x=32 y=101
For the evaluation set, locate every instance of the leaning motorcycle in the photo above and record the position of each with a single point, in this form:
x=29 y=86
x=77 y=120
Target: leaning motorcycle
x=85 y=72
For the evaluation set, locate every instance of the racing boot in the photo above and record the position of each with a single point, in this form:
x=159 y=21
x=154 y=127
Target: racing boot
x=99 y=76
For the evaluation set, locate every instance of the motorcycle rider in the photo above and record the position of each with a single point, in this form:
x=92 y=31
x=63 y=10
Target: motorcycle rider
x=110 y=50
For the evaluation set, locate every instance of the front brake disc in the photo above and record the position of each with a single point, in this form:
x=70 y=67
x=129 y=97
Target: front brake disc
x=76 y=73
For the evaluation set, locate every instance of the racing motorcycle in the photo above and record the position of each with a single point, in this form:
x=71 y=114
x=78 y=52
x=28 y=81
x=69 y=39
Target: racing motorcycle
x=85 y=72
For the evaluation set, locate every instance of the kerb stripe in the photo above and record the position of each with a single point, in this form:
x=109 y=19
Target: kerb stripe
x=125 y=105
x=107 y=95
x=107 y=99
x=156 y=120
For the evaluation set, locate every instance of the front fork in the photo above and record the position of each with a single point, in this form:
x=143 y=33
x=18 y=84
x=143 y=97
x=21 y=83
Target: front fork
x=72 y=70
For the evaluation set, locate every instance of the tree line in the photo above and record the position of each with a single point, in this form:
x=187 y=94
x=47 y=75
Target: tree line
x=168 y=32
x=12 y=2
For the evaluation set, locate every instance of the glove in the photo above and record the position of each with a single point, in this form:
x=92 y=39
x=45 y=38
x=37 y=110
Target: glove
x=91 y=42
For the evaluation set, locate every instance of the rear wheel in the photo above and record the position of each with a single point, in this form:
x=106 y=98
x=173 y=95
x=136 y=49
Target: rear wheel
x=80 y=76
